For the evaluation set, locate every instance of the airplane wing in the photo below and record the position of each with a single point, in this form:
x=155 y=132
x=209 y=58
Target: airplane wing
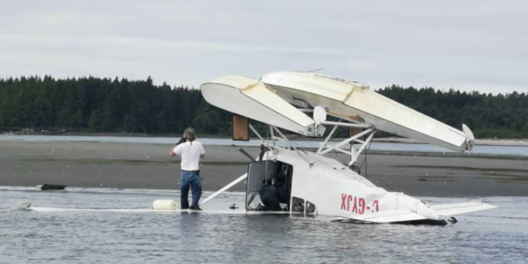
x=251 y=98
x=443 y=210
x=391 y=216
x=460 y=208
x=272 y=100
x=344 y=98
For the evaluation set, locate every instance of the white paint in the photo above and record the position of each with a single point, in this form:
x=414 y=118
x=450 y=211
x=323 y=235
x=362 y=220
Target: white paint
x=325 y=181
x=331 y=186
x=319 y=114
x=346 y=98
x=252 y=99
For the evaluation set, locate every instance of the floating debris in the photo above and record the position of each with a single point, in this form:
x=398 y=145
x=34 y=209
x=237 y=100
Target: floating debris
x=49 y=187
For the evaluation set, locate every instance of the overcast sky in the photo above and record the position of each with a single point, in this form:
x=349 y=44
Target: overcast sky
x=466 y=45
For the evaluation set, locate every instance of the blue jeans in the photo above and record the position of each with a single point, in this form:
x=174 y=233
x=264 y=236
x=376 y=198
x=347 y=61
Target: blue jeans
x=192 y=179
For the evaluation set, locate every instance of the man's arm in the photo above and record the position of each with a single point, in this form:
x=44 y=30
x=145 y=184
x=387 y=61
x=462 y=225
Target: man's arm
x=173 y=151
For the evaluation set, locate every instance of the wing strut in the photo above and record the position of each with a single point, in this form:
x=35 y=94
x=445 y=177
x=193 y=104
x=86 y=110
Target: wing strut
x=227 y=187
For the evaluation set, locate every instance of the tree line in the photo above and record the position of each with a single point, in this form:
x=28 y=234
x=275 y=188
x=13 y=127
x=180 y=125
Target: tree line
x=488 y=115
x=107 y=105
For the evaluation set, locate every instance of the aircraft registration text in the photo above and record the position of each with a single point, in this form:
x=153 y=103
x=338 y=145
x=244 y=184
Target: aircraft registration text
x=357 y=205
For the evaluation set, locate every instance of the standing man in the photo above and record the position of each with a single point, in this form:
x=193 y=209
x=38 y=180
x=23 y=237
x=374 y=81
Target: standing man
x=190 y=152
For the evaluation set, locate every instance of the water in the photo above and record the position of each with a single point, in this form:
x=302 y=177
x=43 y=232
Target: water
x=221 y=235
x=375 y=146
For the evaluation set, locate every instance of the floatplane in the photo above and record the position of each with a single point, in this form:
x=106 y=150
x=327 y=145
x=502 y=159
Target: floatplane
x=286 y=178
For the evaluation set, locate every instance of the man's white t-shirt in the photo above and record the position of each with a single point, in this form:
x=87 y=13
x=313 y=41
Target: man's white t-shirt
x=190 y=155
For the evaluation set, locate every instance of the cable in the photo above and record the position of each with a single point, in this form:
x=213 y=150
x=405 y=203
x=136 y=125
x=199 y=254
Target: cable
x=365 y=163
x=267 y=157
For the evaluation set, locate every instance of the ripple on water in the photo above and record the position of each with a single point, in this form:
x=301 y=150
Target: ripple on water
x=494 y=236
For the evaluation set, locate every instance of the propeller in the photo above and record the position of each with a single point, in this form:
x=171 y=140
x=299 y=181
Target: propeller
x=470 y=138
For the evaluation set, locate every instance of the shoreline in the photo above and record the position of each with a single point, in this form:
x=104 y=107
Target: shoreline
x=478 y=142
x=148 y=166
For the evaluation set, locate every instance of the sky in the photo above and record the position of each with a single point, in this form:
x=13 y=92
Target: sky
x=465 y=45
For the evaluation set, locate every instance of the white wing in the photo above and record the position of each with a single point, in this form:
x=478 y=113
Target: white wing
x=460 y=208
x=252 y=99
x=385 y=217
x=391 y=216
x=443 y=210
x=345 y=99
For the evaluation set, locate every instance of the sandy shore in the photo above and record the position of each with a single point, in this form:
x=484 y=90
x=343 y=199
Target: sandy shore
x=148 y=166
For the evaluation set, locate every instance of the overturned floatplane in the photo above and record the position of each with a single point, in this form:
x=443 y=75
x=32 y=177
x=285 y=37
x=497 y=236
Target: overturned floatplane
x=286 y=178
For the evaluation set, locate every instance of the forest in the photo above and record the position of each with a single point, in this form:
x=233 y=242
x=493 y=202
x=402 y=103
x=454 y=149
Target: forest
x=104 y=105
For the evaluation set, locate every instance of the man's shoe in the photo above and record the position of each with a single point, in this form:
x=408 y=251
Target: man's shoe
x=197 y=208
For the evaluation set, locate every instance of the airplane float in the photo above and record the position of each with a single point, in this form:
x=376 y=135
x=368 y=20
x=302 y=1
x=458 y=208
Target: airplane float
x=285 y=178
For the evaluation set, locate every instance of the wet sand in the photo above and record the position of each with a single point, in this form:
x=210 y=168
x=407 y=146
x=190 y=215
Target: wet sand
x=148 y=166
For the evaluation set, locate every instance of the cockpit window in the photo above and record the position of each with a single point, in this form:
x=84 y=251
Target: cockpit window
x=301 y=206
x=310 y=208
x=297 y=205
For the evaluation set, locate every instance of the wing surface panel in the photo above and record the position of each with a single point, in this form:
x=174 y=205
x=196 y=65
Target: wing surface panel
x=461 y=208
x=390 y=216
x=357 y=99
x=251 y=98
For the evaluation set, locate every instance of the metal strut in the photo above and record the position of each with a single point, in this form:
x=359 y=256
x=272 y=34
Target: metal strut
x=283 y=138
x=354 y=155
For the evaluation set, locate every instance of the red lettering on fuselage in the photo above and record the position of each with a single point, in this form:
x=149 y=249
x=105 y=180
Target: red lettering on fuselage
x=375 y=205
x=361 y=206
x=358 y=204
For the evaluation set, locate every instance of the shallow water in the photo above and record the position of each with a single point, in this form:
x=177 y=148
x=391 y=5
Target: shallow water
x=375 y=146
x=221 y=235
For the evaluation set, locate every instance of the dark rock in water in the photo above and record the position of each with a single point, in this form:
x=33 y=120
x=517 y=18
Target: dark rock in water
x=47 y=186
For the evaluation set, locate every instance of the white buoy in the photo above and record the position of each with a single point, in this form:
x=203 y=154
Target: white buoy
x=164 y=205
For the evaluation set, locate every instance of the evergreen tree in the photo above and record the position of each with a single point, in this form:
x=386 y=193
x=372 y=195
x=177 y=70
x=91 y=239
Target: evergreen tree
x=119 y=105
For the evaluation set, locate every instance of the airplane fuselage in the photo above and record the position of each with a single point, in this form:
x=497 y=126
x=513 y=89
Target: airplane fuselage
x=336 y=190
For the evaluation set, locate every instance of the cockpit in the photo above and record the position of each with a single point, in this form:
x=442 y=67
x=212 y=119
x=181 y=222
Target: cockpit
x=269 y=186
